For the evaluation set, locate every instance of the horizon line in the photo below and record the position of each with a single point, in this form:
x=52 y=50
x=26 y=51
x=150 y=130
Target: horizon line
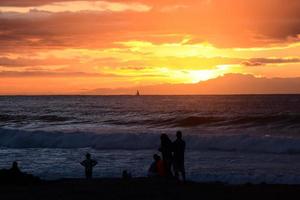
x=229 y=94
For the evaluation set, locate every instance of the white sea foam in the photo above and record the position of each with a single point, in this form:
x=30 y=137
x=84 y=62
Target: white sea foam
x=143 y=141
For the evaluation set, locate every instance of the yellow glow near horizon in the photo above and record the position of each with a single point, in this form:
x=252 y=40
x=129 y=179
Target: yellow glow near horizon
x=196 y=76
x=77 y=45
x=144 y=62
x=180 y=49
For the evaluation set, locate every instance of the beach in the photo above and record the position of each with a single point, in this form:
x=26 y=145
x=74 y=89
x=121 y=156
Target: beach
x=228 y=139
x=143 y=188
x=149 y=99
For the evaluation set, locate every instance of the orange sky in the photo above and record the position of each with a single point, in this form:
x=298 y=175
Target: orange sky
x=73 y=46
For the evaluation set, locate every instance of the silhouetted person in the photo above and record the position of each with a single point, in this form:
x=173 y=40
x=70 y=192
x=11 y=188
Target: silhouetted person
x=88 y=163
x=15 y=173
x=15 y=170
x=16 y=176
x=166 y=149
x=178 y=162
x=126 y=175
x=157 y=168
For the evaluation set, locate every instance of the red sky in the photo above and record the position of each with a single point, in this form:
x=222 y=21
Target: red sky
x=70 y=46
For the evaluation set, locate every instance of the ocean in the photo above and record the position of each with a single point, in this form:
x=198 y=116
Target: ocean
x=230 y=138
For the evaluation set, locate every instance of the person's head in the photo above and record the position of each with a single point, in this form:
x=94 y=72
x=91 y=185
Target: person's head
x=179 y=134
x=156 y=157
x=164 y=137
x=88 y=155
x=15 y=164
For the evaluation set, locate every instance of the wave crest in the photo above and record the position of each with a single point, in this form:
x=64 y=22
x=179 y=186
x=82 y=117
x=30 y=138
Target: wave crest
x=194 y=121
x=128 y=141
x=45 y=118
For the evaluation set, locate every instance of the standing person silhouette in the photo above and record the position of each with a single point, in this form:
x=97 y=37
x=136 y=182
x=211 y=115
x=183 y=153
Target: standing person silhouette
x=178 y=162
x=15 y=168
x=166 y=151
x=88 y=164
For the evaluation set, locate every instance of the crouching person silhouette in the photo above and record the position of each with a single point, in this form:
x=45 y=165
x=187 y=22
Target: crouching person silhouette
x=157 y=168
x=88 y=164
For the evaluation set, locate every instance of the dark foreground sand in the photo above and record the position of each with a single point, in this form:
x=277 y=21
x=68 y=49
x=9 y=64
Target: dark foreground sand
x=142 y=188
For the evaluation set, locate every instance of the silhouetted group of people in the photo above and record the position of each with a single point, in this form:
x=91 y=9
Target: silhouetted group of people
x=172 y=157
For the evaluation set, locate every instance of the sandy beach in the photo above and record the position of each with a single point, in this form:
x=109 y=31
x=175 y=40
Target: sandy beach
x=143 y=188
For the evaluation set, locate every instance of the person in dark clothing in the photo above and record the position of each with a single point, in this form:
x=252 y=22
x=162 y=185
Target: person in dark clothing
x=178 y=162
x=16 y=176
x=88 y=164
x=157 y=168
x=15 y=168
x=126 y=175
x=166 y=149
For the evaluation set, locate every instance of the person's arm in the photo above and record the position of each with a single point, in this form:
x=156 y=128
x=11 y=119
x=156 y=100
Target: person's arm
x=152 y=167
x=94 y=163
x=160 y=149
x=173 y=147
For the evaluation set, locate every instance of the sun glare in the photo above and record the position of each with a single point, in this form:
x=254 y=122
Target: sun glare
x=201 y=75
x=196 y=76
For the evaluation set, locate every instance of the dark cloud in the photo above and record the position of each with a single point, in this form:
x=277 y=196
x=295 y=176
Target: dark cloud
x=56 y=74
x=33 y=3
x=62 y=30
x=27 y=3
x=9 y=74
x=264 y=61
x=230 y=23
x=25 y=62
x=252 y=64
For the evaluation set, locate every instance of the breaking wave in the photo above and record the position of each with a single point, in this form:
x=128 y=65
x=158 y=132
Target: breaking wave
x=239 y=143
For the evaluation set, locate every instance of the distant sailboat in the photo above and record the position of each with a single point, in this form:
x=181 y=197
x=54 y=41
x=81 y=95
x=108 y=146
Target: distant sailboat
x=137 y=93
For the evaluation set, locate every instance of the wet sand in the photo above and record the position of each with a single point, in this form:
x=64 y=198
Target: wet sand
x=142 y=188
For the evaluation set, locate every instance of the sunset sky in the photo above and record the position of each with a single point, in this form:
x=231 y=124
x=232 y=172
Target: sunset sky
x=70 y=46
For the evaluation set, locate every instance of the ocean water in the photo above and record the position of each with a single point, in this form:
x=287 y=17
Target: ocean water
x=235 y=139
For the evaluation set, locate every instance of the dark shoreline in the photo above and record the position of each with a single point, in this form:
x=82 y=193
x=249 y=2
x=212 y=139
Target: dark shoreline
x=143 y=188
